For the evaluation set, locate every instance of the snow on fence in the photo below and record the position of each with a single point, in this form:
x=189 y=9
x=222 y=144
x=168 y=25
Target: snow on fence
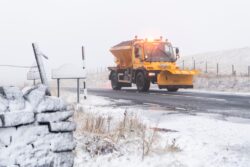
x=218 y=68
x=35 y=129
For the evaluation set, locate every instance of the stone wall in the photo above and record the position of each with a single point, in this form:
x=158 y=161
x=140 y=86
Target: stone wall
x=35 y=130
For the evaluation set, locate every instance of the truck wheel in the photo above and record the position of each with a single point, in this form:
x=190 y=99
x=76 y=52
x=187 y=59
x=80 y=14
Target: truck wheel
x=172 y=89
x=142 y=83
x=114 y=81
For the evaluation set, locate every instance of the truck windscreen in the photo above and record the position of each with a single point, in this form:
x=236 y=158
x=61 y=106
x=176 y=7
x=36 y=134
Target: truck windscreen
x=156 y=52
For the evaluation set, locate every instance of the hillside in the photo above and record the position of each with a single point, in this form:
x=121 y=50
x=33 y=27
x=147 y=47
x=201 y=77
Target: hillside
x=240 y=58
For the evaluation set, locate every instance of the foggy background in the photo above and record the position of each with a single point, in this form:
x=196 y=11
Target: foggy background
x=61 y=27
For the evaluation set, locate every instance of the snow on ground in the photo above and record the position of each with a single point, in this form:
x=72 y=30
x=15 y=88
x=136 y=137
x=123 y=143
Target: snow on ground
x=182 y=139
x=240 y=58
x=223 y=83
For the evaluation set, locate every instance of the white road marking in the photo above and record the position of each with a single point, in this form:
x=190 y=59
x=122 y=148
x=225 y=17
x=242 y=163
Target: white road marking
x=195 y=97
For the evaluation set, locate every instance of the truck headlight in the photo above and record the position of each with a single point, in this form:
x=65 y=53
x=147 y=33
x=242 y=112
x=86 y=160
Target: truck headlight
x=151 y=74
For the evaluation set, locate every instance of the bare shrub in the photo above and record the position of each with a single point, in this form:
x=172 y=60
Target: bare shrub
x=106 y=133
x=172 y=147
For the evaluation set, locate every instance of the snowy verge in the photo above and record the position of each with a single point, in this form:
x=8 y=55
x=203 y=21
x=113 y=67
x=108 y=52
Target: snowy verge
x=223 y=83
x=176 y=139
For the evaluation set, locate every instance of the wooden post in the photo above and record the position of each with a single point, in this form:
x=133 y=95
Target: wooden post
x=84 y=89
x=58 y=87
x=217 y=69
x=83 y=58
x=78 y=90
x=206 y=67
x=41 y=69
x=233 y=71
x=84 y=68
x=249 y=71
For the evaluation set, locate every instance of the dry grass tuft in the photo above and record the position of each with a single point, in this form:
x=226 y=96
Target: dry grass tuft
x=172 y=147
x=104 y=129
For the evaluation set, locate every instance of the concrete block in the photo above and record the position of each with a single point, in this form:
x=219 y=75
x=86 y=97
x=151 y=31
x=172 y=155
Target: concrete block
x=64 y=159
x=15 y=97
x=17 y=118
x=30 y=133
x=35 y=94
x=6 y=136
x=54 y=116
x=62 y=126
x=51 y=104
x=62 y=142
x=4 y=104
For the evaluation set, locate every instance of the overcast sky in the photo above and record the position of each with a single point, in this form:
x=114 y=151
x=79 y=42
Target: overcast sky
x=60 y=27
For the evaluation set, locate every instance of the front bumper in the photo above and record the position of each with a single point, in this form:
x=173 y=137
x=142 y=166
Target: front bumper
x=175 y=86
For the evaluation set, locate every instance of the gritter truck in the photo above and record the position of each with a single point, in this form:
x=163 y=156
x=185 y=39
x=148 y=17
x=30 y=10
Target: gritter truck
x=144 y=62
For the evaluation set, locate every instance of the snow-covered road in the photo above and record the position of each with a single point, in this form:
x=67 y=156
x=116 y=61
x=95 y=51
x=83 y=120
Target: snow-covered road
x=190 y=101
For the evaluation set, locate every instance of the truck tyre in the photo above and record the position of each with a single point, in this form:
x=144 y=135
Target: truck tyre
x=172 y=89
x=114 y=81
x=142 y=83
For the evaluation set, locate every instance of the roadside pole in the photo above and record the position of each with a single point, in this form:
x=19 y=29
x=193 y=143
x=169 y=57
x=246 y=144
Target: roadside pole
x=41 y=69
x=84 y=68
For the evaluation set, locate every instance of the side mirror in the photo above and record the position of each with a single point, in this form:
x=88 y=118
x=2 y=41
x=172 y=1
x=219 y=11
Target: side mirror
x=177 y=51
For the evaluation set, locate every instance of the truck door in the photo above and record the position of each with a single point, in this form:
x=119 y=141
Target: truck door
x=137 y=55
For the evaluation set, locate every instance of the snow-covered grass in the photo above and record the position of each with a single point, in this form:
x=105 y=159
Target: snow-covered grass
x=240 y=58
x=222 y=83
x=175 y=139
x=116 y=135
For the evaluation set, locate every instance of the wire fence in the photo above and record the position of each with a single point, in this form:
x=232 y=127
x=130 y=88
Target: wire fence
x=205 y=68
x=218 y=69
x=16 y=66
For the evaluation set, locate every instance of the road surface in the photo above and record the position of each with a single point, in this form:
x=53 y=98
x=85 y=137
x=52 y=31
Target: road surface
x=185 y=101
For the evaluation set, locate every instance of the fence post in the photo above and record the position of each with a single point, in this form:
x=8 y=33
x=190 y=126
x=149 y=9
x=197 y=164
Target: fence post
x=78 y=90
x=83 y=58
x=249 y=71
x=206 y=67
x=58 y=87
x=85 y=89
x=217 y=69
x=232 y=69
